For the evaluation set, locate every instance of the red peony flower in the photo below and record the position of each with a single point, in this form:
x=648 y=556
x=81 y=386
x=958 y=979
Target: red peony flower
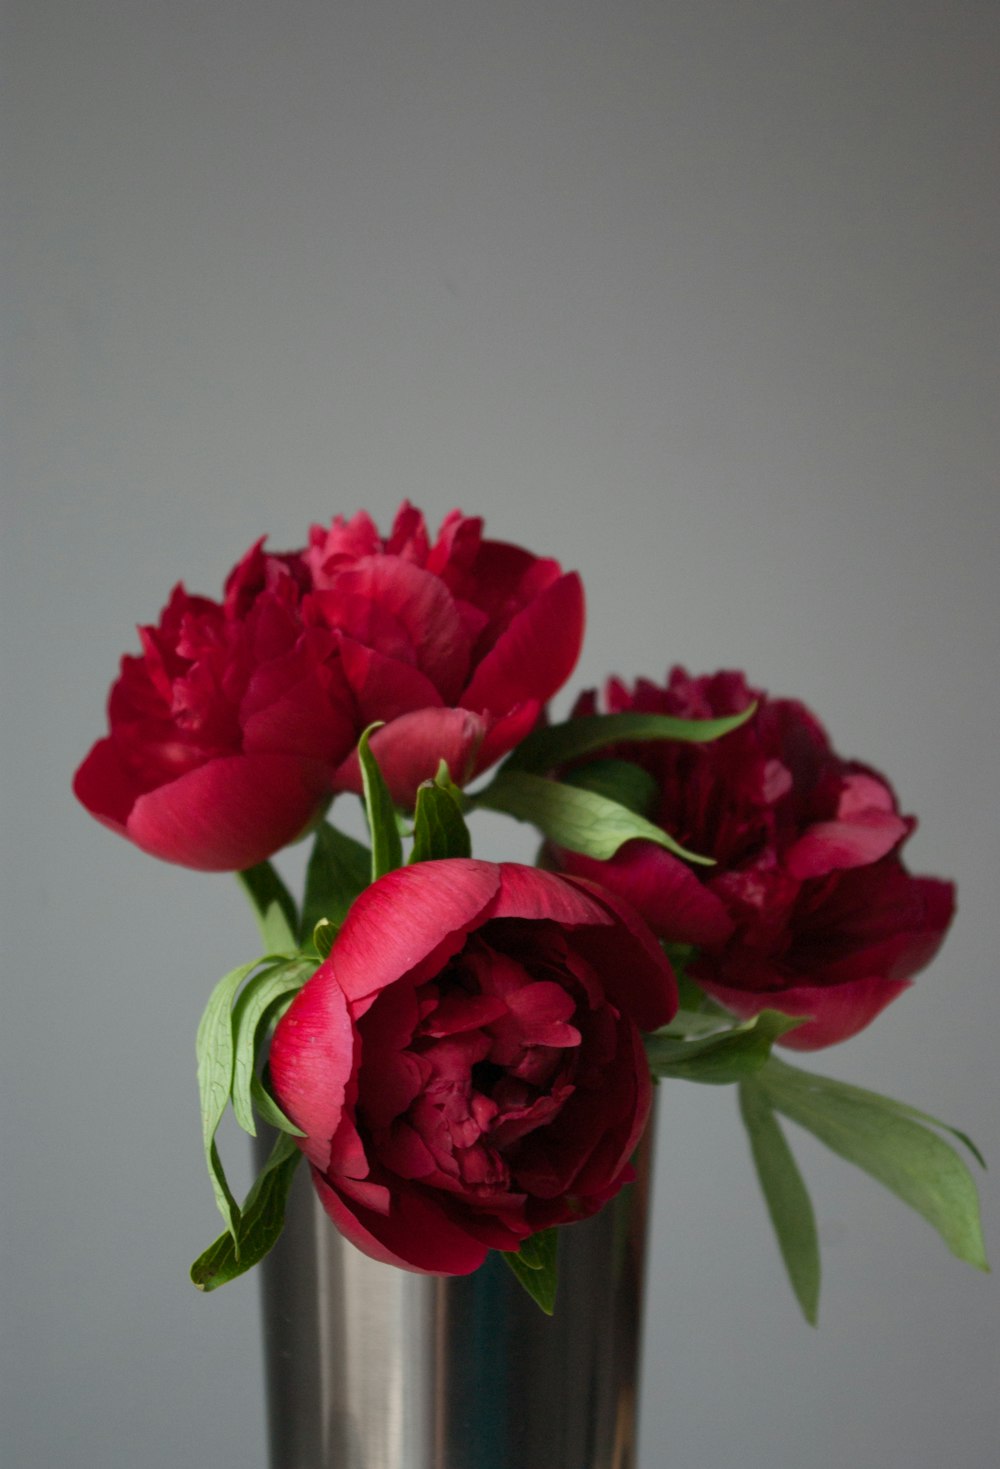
x=456 y=645
x=467 y=1065
x=223 y=733
x=231 y=732
x=809 y=909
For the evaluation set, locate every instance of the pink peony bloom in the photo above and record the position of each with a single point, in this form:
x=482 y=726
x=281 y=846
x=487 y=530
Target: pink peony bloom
x=239 y=721
x=467 y=1065
x=810 y=909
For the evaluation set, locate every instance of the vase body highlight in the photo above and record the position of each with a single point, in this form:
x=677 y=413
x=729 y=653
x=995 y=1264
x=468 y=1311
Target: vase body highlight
x=370 y=1367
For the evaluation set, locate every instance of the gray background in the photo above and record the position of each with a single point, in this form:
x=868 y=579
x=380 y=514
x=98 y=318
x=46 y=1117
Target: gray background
x=700 y=297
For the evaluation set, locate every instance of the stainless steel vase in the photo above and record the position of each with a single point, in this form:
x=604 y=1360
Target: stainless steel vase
x=369 y=1367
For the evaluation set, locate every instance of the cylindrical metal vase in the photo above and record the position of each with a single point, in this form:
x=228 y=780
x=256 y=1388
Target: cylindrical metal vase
x=370 y=1367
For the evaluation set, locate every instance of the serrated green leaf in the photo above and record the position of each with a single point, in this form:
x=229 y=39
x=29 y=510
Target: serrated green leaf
x=215 y=1051
x=439 y=829
x=721 y=1058
x=547 y=748
x=785 y=1194
x=579 y=820
x=274 y=907
x=536 y=1266
x=387 y=846
x=261 y=1221
x=890 y=1141
x=620 y=781
x=255 y=1001
x=339 y=869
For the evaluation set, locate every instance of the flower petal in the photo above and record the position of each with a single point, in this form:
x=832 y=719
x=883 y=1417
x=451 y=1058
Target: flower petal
x=408 y=917
x=670 y=897
x=311 y=1059
x=410 y=749
x=835 y=1013
x=414 y=1235
x=230 y=813
x=535 y=655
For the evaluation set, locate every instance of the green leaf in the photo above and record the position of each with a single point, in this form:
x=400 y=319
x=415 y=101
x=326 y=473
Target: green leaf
x=890 y=1141
x=536 y=1266
x=580 y=820
x=387 y=845
x=261 y=1221
x=785 y=1194
x=324 y=936
x=256 y=1000
x=339 y=869
x=215 y=1051
x=269 y=1109
x=274 y=907
x=720 y=1058
x=439 y=829
x=620 y=781
x=547 y=748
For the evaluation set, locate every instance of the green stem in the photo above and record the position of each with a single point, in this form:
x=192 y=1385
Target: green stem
x=273 y=907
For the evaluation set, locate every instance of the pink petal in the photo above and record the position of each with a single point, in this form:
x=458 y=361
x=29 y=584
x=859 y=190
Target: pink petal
x=311 y=1060
x=408 y=917
x=670 y=897
x=410 y=749
x=106 y=786
x=384 y=688
x=535 y=655
x=857 y=841
x=230 y=813
x=836 y=1013
x=505 y=733
x=415 y=1235
x=529 y=892
x=423 y=606
x=636 y=972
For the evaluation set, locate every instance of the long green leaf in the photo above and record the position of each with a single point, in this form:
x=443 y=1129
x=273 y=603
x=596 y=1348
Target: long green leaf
x=721 y=1058
x=620 y=781
x=387 y=845
x=273 y=906
x=580 y=820
x=261 y=1222
x=339 y=868
x=785 y=1194
x=215 y=1051
x=891 y=1142
x=439 y=828
x=269 y=1109
x=255 y=1001
x=536 y=1266
x=550 y=747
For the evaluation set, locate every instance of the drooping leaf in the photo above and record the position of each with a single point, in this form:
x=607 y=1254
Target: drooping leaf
x=269 y=1110
x=536 y=1266
x=785 y=1194
x=274 y=907
x=547 y=748
x=339 y=869
x=439 y=828
x=215 y=1051
x=262 y=1218
x=387 y=845
x=720 y=1058
x=892 y=1142
x=580 y=820
x=255 y=1001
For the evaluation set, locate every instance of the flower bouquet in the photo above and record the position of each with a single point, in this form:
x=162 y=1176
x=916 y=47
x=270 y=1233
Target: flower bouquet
x=464 y=1049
